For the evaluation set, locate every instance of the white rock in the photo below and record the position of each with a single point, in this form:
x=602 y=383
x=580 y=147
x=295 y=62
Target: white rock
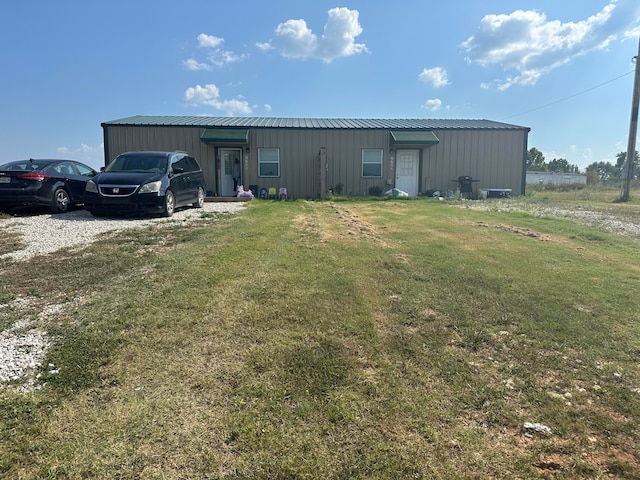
x=536 y=427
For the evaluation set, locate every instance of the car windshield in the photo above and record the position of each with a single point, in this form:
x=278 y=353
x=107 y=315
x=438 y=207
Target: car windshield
x=138 y=164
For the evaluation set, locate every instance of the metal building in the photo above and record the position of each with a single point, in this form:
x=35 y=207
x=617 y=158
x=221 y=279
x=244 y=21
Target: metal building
x=310 y=156
x=552 y=178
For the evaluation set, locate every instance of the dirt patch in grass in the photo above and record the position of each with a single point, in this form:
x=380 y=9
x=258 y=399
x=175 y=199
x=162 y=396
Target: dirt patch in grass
x=616 y=462
x=352 y=225
x=349 y=225
x=525 y=232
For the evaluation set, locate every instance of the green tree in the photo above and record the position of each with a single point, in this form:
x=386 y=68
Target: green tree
x=621 y=158
x=561 y=165
x=604 y=170
x=535 y=161
x=592 y=177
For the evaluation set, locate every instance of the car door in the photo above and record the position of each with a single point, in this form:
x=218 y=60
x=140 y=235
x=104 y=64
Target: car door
x=86 y=173
x=194 y=178
x=177 y=179
x=74 y=182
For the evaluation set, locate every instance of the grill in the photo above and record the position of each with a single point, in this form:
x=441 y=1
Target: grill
x=117 y=190
x=465 y=184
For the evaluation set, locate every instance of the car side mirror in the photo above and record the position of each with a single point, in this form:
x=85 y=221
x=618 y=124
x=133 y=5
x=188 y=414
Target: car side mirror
x=178 y=170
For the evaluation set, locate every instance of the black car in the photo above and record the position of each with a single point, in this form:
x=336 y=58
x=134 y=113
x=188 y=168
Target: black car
x=146 y=182
x=57 y=184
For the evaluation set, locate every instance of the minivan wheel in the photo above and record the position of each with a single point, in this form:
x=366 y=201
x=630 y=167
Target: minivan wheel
x=169 y=203
x=199 y=203
x=61 y=201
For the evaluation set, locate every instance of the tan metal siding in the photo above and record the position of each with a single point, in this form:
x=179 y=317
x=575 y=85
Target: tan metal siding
x=128 y=138
x=493 y=156
x=344 y=158
x=300 y=164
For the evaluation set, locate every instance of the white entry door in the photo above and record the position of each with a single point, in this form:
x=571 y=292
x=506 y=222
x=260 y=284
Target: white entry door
x=407 y=171
x=228 y=157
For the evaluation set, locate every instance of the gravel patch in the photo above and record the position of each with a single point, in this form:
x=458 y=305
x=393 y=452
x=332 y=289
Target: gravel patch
x=48 y=233
x=22 y=347
x=598 y=220
x=585 y=216
x=21 y=351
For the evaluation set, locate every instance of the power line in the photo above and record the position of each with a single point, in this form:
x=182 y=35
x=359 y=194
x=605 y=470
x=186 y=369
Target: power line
x=570 y=96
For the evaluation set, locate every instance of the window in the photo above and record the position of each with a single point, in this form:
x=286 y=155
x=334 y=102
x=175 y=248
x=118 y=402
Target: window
x=191 y=164
x=268 y=162
x=65 y=168
x=227 y=164
x=186 y=163
x=179 y=162
x=84 y=171
x=372 y=162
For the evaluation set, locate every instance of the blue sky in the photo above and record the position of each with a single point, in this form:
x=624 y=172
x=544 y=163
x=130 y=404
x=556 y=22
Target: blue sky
x=564 y=69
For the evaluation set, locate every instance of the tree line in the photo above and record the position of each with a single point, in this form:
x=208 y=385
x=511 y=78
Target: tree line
x=596 y=171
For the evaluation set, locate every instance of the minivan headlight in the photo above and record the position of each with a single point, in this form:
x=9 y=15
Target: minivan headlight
x=151 y=187
x=91 y=187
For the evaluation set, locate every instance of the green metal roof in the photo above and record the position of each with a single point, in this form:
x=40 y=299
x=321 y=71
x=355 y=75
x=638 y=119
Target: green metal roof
x=316 y=123
x=408 y=137
x=225 y=135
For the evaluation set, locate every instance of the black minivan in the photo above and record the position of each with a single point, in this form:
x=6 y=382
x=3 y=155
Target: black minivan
x=146 y=182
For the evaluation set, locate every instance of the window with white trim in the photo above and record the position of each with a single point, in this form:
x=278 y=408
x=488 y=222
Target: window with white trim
x=268 y=162
x=372 y=162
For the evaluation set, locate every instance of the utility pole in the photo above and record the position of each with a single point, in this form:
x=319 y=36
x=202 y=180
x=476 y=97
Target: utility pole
x=633 y=129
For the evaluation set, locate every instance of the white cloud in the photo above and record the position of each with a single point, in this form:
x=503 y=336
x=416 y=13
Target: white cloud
x=340 y=32
x=217 y=57
x=201 y=95
x=264 y=46
x=209 y=41
x=233 y=107
x=195 y=66
x=83 y=149
x=294 y=39
x=632 y=34
x=432 y=105
x=92 y=156
x=437 y=77
x=531 y=45
x=267 y=107
x=222 y=57
x=210 y=95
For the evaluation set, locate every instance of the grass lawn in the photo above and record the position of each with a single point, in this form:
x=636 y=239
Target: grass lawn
x=340 y=339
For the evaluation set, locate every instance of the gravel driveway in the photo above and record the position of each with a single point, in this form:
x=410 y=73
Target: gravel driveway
x=47 y=233
x=584 y=215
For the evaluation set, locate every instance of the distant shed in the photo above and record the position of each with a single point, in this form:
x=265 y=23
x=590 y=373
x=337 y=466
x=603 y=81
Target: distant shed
x=543 y=178
x=310 y=156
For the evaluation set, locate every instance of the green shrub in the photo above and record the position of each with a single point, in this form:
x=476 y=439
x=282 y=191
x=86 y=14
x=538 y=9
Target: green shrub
x=375 y=191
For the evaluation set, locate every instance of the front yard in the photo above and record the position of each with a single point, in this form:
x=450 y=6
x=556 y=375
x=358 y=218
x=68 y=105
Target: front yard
x=339 y=339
